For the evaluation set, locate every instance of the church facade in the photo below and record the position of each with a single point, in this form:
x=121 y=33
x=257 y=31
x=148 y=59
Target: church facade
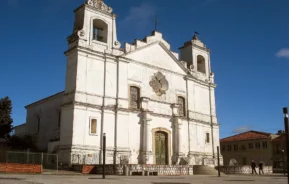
x=155 y=106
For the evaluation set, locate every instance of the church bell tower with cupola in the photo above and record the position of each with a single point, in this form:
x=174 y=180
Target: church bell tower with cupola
x=94 y=27
x=197 y=56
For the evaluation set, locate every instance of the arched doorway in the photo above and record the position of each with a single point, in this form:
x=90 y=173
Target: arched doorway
x=161 y=148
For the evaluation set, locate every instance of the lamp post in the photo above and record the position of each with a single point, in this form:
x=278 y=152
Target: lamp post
x=283 y=162
x=285 y=112
x=103 y=149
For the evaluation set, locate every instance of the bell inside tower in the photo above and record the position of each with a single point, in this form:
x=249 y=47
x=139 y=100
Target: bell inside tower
x=99 y=30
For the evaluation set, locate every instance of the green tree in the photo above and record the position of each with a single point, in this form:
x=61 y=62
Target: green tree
x=5 y=117
x=23 y=142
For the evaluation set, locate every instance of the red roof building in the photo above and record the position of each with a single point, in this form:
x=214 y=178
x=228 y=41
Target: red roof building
x=245 y=147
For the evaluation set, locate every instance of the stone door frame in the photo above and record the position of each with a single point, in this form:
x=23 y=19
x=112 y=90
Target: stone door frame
x=169 y=143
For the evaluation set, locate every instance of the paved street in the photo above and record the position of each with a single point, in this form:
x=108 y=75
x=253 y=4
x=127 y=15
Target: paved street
x=95 y=179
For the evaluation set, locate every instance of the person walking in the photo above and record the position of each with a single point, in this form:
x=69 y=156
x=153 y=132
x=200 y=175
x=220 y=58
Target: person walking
x=261 y=168
x=253 y=166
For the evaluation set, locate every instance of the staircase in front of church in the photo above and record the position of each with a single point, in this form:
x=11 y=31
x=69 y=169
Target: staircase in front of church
x=204 y=170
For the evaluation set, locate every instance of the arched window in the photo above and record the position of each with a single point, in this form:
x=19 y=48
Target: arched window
x=201 y=64
x=134 y=97
x=182 y=108
x=99 y=30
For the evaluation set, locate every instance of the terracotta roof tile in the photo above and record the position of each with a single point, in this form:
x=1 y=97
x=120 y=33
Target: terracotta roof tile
x=250 y=135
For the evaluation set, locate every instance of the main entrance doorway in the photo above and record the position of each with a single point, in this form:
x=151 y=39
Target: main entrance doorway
x=161 y=148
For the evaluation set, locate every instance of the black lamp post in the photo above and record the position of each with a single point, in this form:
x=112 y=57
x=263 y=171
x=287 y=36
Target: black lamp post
x=285 y=112
x=103 y=149
x=283 y=162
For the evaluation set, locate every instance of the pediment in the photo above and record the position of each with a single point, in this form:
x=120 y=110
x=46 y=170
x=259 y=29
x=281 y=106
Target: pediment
x=156 y=54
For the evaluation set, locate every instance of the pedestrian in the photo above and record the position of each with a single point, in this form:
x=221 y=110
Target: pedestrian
x=253 y=166
x=261 y=168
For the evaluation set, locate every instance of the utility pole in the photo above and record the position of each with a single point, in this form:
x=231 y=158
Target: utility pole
x=103 y=149
x=285 y=112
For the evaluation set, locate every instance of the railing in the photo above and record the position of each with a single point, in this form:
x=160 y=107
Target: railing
x=46 y=160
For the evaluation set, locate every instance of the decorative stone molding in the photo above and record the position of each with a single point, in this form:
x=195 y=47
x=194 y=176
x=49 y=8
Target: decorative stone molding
x=144 y=103
x=99 y=4
x=159 y=83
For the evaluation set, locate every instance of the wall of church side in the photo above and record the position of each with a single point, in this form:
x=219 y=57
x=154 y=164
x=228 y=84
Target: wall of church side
x=111 y=82
x=134 y=135
x=109 y=128
x=199 y=102
x=123 y=85
x=71 y=70
x=48 y=112
x=198 y=143
x=216 y=138
x=94 y=77
x=90 y=79
x=66 y=129
x=123 y=131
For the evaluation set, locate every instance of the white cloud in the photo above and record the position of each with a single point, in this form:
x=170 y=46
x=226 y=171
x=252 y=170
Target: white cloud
x=13 y=3
x=140 y=17
x=241 y=129
x=283 y=53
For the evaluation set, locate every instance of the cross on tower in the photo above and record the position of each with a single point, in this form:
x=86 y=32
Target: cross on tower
x=156 y=23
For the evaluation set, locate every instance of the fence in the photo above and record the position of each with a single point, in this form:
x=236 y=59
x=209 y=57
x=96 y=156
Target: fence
x=245 y=169
x=48 y=162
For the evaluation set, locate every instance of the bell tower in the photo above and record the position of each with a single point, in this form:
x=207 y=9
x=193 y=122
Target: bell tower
x=197 y=56
x=94 y=27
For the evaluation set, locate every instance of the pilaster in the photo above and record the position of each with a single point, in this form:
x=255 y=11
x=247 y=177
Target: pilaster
x=178 y=151
x=146 y=155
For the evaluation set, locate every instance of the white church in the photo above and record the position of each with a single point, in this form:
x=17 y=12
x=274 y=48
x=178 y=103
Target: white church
x=155 y=106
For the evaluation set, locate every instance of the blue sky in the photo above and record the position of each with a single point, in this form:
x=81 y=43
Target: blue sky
x=248 y=38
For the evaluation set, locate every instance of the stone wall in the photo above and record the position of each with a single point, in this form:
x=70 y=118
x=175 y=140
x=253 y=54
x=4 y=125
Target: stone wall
x=135 y=169
x=246 y=169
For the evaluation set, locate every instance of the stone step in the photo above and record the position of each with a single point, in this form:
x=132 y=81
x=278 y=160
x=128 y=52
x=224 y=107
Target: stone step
x=204 y=170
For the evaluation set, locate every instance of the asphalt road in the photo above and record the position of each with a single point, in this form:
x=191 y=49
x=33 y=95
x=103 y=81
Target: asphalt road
x=96 y=179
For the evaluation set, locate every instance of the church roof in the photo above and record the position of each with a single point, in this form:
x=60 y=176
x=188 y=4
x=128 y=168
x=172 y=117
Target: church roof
x=46 y=99
x=250 y=135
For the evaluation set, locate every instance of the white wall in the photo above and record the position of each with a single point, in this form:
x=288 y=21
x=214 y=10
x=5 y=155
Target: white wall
x=48 y=109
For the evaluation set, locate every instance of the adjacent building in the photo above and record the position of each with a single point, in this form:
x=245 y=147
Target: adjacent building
x=241 y=149
x=279 y=152
x=155 y=105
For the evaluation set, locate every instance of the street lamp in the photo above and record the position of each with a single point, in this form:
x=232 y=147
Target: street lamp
x=283 y=162
x=103 y=149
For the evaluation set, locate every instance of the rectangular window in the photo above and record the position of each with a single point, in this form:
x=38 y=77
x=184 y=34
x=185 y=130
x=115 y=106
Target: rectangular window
x=207 y=138
x=93 y=126
x=257 y=144
x=223 y=148
x=134 y=97
x=265 y=145
x=182 y=108
x=229 y=147
x=251 y=146
x=236 y=147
